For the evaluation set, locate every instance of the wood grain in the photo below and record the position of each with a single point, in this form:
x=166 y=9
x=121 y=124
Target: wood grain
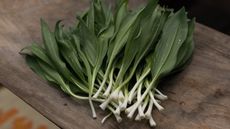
x=199 y=96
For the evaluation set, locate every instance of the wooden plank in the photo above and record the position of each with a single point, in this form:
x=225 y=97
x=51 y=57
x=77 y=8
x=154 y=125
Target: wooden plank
x=198 y=97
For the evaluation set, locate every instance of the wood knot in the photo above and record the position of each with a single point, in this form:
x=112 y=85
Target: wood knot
x=182 y=103
x=218 y=93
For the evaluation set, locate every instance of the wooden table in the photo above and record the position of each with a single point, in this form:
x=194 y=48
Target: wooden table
x=199 y=97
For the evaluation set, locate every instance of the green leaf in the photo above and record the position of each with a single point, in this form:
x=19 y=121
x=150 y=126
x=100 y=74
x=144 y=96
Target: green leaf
x=37 y=51
x=88 y=42
x=91 y=17
x=186 y=50
x=33 y=64
x=82 y=57
x=138 y=37
x=52 y=50
x=121 y=13
x=54 y=75
x=123 y=34
x=68 y=52
x=148 y=40
x=174 y=34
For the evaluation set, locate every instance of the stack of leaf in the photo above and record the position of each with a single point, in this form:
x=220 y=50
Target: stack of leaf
x=116 y=59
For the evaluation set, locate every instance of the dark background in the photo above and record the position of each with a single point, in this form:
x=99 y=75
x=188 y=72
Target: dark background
x=213 y=13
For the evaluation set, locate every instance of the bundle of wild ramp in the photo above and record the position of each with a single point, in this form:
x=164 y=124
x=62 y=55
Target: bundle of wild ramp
x=116 y=59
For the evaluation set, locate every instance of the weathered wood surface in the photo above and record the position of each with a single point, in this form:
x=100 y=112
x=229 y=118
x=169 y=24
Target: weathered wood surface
x=199 y=96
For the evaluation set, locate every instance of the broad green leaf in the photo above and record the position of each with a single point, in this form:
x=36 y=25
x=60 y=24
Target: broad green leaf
x=174 y=34
x=138 y=36
x=100 y=16
x=33 y=64
x=91 y=18
x=54 y=76
x=38 y=51
x=121 y=13
x=123 y=34
x=88 y=42
x=82 y=57
x=102 y=50
x=148 y=40
x=151 y=34
x=68 y=52
x=109 y=17
x=186 y=50
x=52 y=50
